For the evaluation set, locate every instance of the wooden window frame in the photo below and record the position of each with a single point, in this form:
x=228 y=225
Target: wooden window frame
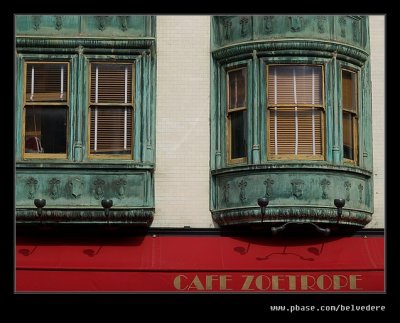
x=229 y=112
x=26 y=104
x=92 y=105
x=355 y=115
x=322 y=108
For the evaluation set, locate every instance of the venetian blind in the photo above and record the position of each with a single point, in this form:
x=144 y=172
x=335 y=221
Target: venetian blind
x=111 y=97
x=46 y=82
x=295 y=105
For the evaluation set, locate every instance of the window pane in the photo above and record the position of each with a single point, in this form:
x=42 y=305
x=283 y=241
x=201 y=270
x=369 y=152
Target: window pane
x=349 y=91
x=298 y=84
x=284 y=139
x=45 y=129
x=348 y=135
x=46 y=82
x=237 y=89
x=111 y=130
x=111 y=83
x=238 y=134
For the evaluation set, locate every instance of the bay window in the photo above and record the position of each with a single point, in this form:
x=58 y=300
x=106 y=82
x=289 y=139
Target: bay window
x=289 y=120
x=85 y=120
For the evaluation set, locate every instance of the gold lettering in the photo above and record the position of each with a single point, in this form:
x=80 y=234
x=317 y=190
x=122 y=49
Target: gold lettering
x=196 y=284
x=353 y=281
x=259 y=282
x=321 y=282
x=292 y=282
x=177 y=282
x=304 y=282
x=247 y=282
x=275 y=282
x=209 y=281
x=222 y=282
x=336 y=281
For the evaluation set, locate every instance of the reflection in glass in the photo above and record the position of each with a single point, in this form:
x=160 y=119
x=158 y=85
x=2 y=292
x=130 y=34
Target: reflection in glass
x=238 y=135
x=45 y=129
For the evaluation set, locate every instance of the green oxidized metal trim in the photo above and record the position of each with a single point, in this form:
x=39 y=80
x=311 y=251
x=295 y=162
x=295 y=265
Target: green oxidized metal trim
x=291 y=214
x=309 y=166
x=39 y=43
x=139 y=216
x=289 y=45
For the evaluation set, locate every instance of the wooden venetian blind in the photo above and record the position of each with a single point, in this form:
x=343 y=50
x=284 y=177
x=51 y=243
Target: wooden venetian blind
x=295 y=104
x=349 y=92
x=46 y=82
x=111 y=115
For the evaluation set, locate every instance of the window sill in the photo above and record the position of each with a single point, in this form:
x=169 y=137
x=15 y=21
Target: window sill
x=109 y=164
x=288 y=165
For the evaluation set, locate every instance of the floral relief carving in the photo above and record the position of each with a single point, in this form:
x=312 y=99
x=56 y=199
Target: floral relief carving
x=98 y=188
x=101 y=22
x=342 y=22
x=54 y=188
x=36 y=21
x=242 y=194
x=75 y=187
x=324 y=185
x=59 y=22
x=297 y=188
x=120 y=187
x=227 y=29
x=321 y=20
x=123 y=22
x=244 y=23
x=268 y=187
x=360 y=190
x=225 y=191
x=295 y=23
x=356 y=31
x=31 y=186
x=347 y=186
x=269 y=24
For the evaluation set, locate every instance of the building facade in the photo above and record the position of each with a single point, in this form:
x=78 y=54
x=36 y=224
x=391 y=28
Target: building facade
x=200 y=153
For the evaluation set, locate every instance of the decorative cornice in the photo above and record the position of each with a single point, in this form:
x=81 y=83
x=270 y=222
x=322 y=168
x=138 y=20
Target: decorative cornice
x=293 y=166
x=291 y=214
x=34 y=165
x=130 y=216
x=41 y=44
x=305 y=46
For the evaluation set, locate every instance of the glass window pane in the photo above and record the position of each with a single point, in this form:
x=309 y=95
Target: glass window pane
x=294 y=84
x=348 y=144
x=45 y=129
x=238 y=134
x=111 y=130
x=349 y=91
x=111 y=83
x=46 y=82
x=237 y=89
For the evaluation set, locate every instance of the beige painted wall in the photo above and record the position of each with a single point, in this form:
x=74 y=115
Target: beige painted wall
x=182 y=121
x=182 y=114
x=377 y=35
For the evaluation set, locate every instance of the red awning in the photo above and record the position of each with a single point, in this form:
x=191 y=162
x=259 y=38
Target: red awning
x=202 y=264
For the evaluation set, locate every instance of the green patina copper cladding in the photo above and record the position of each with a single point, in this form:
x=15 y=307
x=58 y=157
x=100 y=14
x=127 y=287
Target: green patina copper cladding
x=74 y=187
x=298 y=190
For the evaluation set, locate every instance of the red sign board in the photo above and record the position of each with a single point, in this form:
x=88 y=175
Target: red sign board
x=203 y=264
